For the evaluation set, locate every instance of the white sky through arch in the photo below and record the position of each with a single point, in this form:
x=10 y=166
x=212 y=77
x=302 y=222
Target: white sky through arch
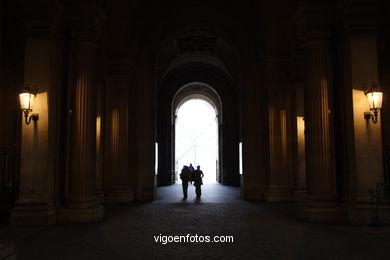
x=197 y=138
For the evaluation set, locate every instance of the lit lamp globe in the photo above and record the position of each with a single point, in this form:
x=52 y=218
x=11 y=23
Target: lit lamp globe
x=374 y=99
x=27 y=98
x=26 y=101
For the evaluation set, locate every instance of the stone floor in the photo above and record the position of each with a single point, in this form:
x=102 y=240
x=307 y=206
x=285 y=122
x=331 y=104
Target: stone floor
x=260 y=231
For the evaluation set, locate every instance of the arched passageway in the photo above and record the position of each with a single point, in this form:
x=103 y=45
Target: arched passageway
x=196 y=137
x=206 y=83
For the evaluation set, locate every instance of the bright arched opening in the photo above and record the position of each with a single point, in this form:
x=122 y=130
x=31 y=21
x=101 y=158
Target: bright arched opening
x=196 y=137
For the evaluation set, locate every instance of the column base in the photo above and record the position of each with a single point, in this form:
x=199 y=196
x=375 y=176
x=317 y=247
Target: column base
x=7 y=252
x=145 y=196
x=321 y=213
x=368 y=214
x=33 y=214
x=253 y=195
x=299 y=194
x=81 y=215
x=119 y=196
x=278 y=194
x=100 y=195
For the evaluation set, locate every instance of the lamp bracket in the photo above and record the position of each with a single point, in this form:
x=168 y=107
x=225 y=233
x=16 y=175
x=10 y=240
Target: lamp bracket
x=373 y=87
x=27 y=119
x=373 y=116
x=367 y=115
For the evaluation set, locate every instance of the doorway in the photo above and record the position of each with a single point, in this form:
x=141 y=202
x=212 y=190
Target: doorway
x=196 y=138
x=212 y=89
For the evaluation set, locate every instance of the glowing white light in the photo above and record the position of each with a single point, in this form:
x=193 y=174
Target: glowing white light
x=26 y=100
x=197 y=138
x=374 y=100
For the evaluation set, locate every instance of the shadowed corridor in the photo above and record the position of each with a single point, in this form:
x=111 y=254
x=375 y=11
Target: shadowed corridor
x=264 y=230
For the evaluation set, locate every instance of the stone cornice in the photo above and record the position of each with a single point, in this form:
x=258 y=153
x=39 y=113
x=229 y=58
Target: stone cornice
x=316 y=35
x=277 y=70
x=42 y=17
x=85 y=16
x=315 y=15
x=120 y=68
x=359 y=16
x=297 y=68
x=315 y=21
x=84 y=36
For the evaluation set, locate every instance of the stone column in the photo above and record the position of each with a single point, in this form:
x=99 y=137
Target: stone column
x=118 y=175
x=100 y=137
x=3 y=91
x=363 y=139
x=144 y=130
x=298 y=122
x=254 y=132
x=40 y=151
x=320 y=204
x=280 y=181
x=279 y=187
x=83 y=205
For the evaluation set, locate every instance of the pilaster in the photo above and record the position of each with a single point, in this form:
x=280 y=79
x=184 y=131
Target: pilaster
x=39 y=141
x=360 y=57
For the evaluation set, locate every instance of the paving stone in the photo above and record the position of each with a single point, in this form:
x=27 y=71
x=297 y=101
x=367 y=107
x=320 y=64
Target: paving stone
x=261 y=231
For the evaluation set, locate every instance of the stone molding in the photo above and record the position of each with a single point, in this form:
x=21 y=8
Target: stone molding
x=84 y=36
x=42 y=18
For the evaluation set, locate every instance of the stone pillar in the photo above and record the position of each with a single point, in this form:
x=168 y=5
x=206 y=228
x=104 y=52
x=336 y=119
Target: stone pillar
x=144 y=130
x=254 y=131
x=300 y=170
x=298 y=122
x=83 y=205
x=3 y=91
x=384 y=72
x=364 y=138
x=40 y=151
x=118 y=174
x=320 y=203
x=100 y=137
x=279 y=188
x=280 y=181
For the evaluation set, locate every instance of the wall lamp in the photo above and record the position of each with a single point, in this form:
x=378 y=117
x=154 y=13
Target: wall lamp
x=374 y=98
x=27 y=98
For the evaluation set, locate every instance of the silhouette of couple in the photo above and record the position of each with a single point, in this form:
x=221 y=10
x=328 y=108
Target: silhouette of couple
x=188 y=174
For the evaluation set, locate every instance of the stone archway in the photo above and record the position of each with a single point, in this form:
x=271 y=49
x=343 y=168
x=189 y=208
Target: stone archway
x=205 y=92
x=179 y=86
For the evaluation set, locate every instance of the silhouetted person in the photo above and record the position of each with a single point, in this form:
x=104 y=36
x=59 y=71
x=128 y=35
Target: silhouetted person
x=191 y=169
x=185 y=178
x=197 y=178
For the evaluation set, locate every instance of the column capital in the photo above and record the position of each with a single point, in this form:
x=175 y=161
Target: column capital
x=359 y=16
x=120 y=68
x=41 y=17
x=85 y=16
x=276 y=69
x=319 y=35
x=315 y=21
x=310 y=15
x=296 y=67
x=84 y=36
